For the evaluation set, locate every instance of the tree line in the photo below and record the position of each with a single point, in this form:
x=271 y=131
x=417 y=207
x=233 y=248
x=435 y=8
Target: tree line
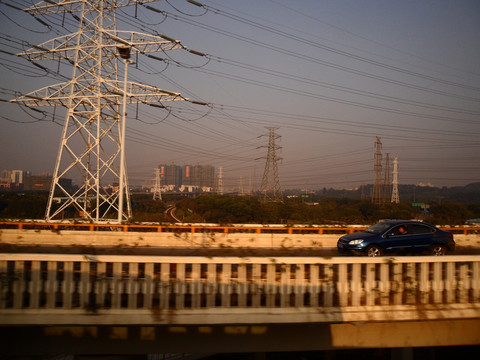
x=223 y=209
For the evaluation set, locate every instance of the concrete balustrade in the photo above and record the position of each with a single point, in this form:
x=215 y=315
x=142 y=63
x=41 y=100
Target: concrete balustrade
x=206 y=239
x=167 y=239
x=87 y=289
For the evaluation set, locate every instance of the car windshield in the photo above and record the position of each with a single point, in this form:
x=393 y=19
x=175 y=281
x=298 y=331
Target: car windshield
x=378 y=228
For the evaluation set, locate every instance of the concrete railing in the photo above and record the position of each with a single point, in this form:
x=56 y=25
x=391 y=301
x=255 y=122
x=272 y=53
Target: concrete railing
x=70 y=289
x=187 y=228
x=206 y=228
x=172 y=240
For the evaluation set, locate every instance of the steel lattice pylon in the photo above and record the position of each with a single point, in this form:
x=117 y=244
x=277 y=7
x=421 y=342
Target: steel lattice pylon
x=377 y=196
x=270 y=187
x=157 y=190
x=395 y=196
x=92 y=141
x=387 y=191
x=220 y=181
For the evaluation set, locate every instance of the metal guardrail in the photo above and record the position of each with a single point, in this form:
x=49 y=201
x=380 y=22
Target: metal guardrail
x=36 y=284
x=258 y=229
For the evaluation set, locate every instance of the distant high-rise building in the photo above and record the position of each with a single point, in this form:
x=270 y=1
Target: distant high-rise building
x=43 y=183
x=13 y=179
x=12 y=176
x=171 y=175
x=5 y=176
x=188 y=178
x=198 y=175
x=17 y=176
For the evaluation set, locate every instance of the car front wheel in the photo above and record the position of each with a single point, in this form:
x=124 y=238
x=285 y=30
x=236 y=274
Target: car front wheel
x=439 y=250
x=374 y=251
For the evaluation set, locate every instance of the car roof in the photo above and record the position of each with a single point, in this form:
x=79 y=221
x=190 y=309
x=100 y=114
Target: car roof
x=397 y=222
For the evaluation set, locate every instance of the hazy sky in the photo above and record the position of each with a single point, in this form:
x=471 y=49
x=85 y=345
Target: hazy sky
x=330 y=75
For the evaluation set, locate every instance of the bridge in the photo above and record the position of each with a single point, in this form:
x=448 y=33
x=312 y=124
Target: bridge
x=233 y=239
x=64 y=303
x=202 y=227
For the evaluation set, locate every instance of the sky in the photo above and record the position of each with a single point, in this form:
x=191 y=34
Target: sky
x=329 y=76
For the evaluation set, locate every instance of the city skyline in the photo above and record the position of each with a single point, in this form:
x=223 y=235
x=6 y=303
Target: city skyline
x=330 y=75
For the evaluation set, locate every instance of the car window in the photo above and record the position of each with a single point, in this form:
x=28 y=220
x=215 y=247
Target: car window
x=397 y=231
x=419 y=229
x=378 y=228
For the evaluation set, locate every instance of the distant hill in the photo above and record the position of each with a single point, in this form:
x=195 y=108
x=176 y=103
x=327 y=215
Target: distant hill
x=412 y=193
x=473 y=186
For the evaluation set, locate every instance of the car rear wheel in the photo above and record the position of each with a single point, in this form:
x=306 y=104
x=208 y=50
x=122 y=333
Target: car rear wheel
x=439 y=250
x=374 y=251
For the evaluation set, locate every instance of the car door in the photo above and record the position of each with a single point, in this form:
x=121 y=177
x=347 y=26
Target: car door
x=421 y=237
x=395 y=241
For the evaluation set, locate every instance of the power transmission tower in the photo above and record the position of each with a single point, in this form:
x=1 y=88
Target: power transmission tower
x=92 y=146
x=220 y=189
x=387 y=191
x=240 y=186
x=395 y=196
x=362 y=192
x=270 y=187
x=157 y=190
x=377 y=197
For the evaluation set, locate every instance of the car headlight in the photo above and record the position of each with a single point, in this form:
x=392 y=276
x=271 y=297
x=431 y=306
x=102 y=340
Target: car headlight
x=355 y=242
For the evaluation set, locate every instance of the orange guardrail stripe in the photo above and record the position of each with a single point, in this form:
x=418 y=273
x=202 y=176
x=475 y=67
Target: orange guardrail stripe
x=20 y=225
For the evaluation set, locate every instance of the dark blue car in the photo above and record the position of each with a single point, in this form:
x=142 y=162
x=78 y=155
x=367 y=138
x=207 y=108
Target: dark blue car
x=397 y=237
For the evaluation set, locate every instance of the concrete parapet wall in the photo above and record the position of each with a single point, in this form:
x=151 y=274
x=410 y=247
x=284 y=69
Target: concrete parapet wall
x=182 y=240
x=235 y=302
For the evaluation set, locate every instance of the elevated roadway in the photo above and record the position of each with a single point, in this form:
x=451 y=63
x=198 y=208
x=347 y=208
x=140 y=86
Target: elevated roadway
x=193 y=289
x=152 y=304
x=207 y=240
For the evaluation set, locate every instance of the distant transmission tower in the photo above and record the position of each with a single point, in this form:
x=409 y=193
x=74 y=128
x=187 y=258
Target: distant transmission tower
x=240 y=186
x=377 y=197
x=92 y=146
x=270 y=187
x=157 y=190
x=395 y=196
x=220 y=189
x=387 y=190
x=362 y=192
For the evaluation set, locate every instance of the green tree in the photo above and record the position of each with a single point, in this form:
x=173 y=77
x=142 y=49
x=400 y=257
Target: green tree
x=448 y=213
x=145 y=209
x=23 y=205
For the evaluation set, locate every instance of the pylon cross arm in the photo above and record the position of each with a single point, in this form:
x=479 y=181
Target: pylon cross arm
x=60 y=47
x=150 y=94
x=64 y=47
x=144 y=43
x=61 y=6
x=60 y=94
x=52 y=95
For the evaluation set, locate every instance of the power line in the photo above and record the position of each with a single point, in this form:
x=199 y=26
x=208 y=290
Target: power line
x=339 y=52
x=319 y=61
